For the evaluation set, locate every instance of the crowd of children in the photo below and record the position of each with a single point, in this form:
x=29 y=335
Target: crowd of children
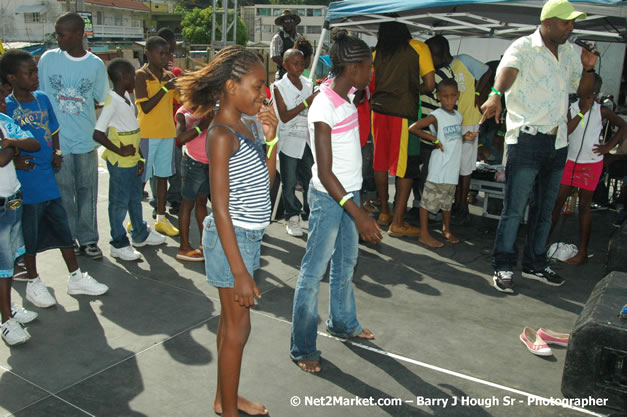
x=230 y=137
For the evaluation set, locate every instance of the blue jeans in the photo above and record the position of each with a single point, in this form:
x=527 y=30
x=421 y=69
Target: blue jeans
x=533 y=171
x=78 y=184
x=294 y=170
x=125 y=195
x=332 y=236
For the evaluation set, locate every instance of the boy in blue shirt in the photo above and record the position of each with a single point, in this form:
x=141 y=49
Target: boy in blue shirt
x=75 y=80
x=12 y=141
x=44 y=220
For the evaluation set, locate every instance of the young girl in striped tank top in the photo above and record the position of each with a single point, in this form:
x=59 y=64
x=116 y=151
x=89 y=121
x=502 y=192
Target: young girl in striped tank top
x=336 y=218
x=240 y=174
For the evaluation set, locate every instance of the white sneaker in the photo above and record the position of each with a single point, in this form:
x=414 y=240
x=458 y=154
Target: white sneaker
x=153 y=239
x=85 y=285
x=127 y=253
x=38 y=294
x=293 y=226
x=21 y=315
x=13 y=333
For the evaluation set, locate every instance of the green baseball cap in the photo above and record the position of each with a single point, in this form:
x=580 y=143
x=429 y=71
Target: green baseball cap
x=561 y=9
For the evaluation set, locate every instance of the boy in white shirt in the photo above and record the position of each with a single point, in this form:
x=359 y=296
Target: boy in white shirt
x=124 y=162
x=444 y=166
x=293 y=95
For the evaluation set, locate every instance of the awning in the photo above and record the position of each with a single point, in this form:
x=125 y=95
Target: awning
x=33 y=8
x=505 y=19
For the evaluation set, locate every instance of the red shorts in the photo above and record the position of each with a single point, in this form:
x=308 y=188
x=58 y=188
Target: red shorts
x=584 y=175
x=391 y=139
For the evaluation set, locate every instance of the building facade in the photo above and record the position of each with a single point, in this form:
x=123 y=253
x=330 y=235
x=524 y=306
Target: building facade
x=33 y=20
x=259 y=20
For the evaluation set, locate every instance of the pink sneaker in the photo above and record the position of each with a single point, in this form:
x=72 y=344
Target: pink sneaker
x=554 y=338
x=534 y=343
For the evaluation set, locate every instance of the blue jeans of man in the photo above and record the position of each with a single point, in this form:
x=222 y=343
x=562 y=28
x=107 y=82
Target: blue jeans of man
x=78 y=184
x=125 y=195
x=332 y=236
x=295 y=170
x=533 y=173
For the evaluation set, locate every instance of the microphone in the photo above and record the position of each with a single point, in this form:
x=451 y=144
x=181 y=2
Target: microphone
x=586 y=46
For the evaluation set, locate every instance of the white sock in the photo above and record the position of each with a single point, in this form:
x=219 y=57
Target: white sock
x=160 y=217
x=76 y=274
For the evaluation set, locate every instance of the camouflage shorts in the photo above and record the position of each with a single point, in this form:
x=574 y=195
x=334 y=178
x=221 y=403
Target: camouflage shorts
x=436 y=197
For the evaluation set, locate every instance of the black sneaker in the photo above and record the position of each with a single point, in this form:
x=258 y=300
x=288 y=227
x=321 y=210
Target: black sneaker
x=547 y=276
x=77 y=249
x=92 y=251
x=620 y=219
x=504 y=281
x=175 y=207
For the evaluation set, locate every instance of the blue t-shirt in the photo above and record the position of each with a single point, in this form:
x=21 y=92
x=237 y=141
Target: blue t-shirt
x=38 y=118
x=8 y=179
x=73 y=84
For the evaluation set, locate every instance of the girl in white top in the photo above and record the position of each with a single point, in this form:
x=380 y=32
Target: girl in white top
x=585 y=161
x=293 y=96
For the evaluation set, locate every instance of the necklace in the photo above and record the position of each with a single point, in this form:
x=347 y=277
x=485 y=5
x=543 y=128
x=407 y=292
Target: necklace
x=30 y=119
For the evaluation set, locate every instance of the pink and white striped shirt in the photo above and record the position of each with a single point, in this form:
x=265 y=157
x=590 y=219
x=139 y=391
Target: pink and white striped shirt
x=328 y=107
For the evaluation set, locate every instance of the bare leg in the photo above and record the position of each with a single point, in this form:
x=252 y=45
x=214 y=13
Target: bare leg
x=585 y=223
x=70 y=259
x=381 y=182
x=425 y=236
x=184 y=219
x=31 y=266
x=446 y=227
x=201 y=213
x=162 y=194
x=5 y=298
x=233 y=331
x=461 y=193
x=403 y=189
x=562 y=195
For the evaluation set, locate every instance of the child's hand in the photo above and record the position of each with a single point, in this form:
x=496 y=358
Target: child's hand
x=204 y=123
x=245 y=290
x=470 y=136
x=126 y=150
x=368 y=228
x=269 y=122
x=140 y=168
x=56 y=161
x=171 y=83
x=601 y=149
x=439 y=145
x=7 y=142
x=24 y=162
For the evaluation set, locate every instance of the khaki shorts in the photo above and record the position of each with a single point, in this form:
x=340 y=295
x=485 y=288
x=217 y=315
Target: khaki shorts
x=436 y=197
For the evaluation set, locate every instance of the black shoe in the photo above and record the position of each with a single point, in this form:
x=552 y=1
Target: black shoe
x=547 y=276
x=92 y=251
x=154 y=213
x=175 y=206
x=77 y=249
x=620 y=219
x=504 y=281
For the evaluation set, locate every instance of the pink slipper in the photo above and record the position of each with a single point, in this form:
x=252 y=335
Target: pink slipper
x=534 y=343
x=554 y=338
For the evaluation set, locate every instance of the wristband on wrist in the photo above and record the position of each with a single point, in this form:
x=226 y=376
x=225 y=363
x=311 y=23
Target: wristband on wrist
x=346 y=198
x=500 y=132
x=477 y=93
x=271 y=145
x=163 y=87
x=305 y=103
x=198 y=130
x=142 y=160
x=436 y=141
x=582 y=116
x=589 y=70
x=495 y=92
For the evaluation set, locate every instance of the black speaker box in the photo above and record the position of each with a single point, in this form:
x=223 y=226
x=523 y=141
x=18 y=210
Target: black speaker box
x=617 y=252
x=596 y=359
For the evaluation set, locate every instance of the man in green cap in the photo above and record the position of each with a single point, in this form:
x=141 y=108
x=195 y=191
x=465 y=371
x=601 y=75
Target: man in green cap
x=284 y=39
x=536 y=74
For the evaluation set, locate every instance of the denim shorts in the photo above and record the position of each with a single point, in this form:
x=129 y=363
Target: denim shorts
x=216 y=265
x=45 y=226
x=159 y=155
x=195 y=177
x=11 y=241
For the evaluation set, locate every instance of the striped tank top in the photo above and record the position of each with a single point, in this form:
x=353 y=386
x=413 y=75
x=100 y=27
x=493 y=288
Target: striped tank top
x=249 y=182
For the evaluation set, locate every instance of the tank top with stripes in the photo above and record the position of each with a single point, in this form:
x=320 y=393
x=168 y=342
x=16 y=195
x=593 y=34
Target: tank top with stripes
x=249 y=182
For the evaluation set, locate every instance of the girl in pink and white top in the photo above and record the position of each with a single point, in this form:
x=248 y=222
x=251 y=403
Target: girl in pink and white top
x=191 y=131
x=585 y=160
x=336 y=218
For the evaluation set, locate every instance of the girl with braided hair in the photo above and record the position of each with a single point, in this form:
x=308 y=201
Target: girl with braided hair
x=240 y=178
x=336 y=219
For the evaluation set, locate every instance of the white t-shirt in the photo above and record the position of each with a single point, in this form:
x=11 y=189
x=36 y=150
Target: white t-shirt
x=328 y=107
x=118 y=114
x=293 y=135
x=444 y=166
x=593 y=124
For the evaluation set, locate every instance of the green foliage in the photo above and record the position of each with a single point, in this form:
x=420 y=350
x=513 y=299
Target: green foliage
x=196 y=27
